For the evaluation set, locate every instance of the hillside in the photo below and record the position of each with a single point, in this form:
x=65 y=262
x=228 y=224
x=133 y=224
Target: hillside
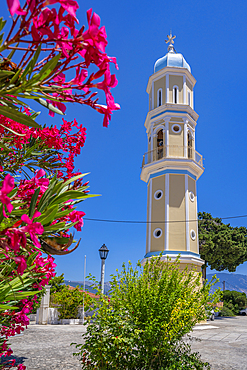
x=233 y=281
x=88 y=285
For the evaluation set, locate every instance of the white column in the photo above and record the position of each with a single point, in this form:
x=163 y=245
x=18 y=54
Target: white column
x=184 y=88
x=187 y=224
x=185 y=138
x=44 y=307
x=167 y=136
x=150 y=215
x=197 y=236
x=152 y=95
x=167 y=88
x=166 y=211
x=192 y=99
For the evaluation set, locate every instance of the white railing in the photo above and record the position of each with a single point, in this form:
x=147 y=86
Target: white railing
x=172 y=151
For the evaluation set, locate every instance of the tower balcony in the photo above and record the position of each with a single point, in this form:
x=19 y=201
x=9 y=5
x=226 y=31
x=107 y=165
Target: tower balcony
x=173 y=152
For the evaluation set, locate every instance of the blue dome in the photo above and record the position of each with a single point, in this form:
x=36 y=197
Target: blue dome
x=171 y=59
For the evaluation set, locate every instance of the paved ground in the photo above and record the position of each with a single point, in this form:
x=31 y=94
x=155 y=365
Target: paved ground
x=222 y=343
x=45 y=347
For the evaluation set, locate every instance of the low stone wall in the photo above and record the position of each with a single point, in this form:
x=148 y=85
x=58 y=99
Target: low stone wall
x=53 y=318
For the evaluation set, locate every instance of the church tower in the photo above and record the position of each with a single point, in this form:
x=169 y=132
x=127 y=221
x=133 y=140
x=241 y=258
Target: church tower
x=171 y=165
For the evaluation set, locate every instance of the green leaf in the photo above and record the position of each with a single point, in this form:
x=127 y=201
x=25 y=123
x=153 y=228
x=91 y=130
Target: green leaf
x=2 y=23
x=4 y=73
x=33 y=202
x=49 y=106
x=71 y=194
x=47 y=69
x=10 y=130
x=49 y=216
x=18 y=117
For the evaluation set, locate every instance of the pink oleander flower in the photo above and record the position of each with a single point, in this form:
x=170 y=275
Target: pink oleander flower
x=7 y=187
x=33 y=228
x=15 y=7
x=22 y=265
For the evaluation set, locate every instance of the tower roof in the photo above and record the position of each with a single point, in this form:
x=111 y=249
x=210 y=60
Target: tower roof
x=171 y=59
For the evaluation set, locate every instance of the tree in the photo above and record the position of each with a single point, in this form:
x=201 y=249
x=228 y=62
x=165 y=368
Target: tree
x=142 y=324
x=234 y=300
x=222 y=246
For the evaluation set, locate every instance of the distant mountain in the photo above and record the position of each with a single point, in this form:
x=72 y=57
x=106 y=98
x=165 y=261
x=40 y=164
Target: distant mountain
x=89 y=287
x=233 y=281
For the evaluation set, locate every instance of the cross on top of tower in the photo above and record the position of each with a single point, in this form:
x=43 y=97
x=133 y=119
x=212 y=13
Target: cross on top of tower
x=171 y=42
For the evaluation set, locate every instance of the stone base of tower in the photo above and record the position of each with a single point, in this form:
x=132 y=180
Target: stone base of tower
x=190 y=259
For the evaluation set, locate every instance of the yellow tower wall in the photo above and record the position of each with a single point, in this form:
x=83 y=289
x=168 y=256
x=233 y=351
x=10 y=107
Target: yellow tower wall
x=193 y=214
x=160 y=84
x=176 y=81
x=176 y=141
x=177 y=230
x=158 y=213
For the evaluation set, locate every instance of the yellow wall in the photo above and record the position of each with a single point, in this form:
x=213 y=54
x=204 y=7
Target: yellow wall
x=158 y=213
x=176 y=141
x=148 y=187
x=178 y=81
x=192 y=214
x=160 y=84
x=177 y=231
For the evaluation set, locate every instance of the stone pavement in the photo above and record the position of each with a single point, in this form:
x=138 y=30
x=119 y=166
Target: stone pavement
x=222 y=343
x=47 y=347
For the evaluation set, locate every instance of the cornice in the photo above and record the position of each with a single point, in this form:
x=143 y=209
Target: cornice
x=183 y=164
x=170 y=70
x=169 y=110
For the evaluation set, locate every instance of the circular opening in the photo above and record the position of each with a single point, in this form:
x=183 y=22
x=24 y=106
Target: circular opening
x=176 y=128
x=192 y=196
x=158 y=194
x=157 y=233
x=193 y=234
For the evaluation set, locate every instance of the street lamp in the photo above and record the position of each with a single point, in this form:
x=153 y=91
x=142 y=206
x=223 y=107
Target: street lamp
x=103 y=252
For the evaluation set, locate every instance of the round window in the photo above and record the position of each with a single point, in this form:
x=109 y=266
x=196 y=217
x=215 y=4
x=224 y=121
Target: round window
x=192 y=196
x=193 y=234
x=158 y=194
x=176 y=128
x=157 y=233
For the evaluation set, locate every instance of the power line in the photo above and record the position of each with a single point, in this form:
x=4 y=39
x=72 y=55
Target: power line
x=159 y=222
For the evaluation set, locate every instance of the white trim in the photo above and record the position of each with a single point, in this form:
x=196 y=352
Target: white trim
x=184 y=258
x=173 y=94
x=152 y=95
x=192 y=196
x=196 y=220
x=184 y=88
x=166 y=211
x=167 y=135
x=155 y=231
x=152 y=134
x=185 y=138
x=189 y=98
x=156 y=193
x=179 y=126
x=193 y=234
x=187 y=213
x=192 y=100
x=167 y=88
x=159 y=90
x=158 y=128
x=150 y=215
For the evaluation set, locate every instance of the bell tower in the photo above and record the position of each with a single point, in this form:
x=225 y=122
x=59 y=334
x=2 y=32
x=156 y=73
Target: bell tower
x=171 y=165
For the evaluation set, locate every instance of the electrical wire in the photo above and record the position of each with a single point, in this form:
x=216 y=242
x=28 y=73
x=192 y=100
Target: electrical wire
x=159 y=222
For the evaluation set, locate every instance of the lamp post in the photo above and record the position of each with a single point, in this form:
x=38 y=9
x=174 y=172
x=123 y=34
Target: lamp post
x=103 y=252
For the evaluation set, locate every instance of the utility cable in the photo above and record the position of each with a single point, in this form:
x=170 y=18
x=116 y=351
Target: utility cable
x=160 y=222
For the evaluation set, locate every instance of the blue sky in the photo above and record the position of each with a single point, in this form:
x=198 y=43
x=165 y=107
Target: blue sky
x=212 y=37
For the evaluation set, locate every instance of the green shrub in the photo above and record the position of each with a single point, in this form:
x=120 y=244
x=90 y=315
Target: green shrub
x=142 y=324
x=226 y=312
x=69 y=301
x=234 y=300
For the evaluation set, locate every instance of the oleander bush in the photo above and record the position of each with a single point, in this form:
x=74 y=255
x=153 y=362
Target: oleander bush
x=143 y=322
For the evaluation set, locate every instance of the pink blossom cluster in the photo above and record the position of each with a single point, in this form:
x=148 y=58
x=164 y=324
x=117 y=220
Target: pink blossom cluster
x=55 y=30
x=66 y=142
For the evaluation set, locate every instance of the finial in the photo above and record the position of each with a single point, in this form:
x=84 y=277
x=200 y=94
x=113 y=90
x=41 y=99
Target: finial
x=171 y=42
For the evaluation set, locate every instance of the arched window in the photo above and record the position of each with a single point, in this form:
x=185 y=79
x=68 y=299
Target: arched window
x=159 y=97
x=175 y=94
x=188 y=97
x=190 y=145
x=160 y=144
